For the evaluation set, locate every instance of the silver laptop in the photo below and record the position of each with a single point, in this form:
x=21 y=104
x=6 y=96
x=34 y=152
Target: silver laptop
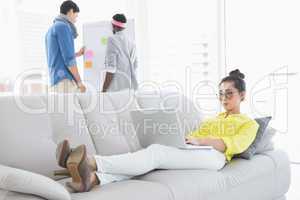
x=160 y=126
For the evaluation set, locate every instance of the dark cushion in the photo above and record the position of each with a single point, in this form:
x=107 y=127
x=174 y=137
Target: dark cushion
x=267 y=143
x=262 y=141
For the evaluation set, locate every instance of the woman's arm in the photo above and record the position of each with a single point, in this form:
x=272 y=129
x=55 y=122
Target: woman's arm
x=218 y=144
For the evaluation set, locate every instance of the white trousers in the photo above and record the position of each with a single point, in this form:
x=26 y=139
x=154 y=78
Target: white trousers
x=125 y=166
x=64 y=86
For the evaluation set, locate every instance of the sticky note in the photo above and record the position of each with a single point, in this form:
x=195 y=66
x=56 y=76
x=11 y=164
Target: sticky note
x=104 y=40
x=89 y=54
x=88 y=64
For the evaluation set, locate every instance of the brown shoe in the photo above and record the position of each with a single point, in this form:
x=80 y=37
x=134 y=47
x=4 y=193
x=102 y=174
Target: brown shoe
x=63 y=151
x=80 y=170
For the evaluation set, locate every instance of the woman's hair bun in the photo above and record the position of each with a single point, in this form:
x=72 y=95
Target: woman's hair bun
x=237 y=73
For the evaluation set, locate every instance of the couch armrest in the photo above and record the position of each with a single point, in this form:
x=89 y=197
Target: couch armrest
x=283 y=169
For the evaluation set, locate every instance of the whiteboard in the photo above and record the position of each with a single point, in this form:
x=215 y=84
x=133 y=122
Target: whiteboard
x=95 y=37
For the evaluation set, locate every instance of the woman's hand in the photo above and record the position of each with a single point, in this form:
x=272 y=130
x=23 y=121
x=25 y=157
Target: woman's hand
x=217 y=144
x=193 y=141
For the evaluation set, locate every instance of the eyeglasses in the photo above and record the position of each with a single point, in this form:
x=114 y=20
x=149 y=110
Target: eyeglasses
x=227 y=95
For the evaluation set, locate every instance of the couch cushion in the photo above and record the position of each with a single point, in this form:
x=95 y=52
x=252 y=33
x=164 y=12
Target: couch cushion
x=259 y=140
x=26 y=135
x=266 y=143
x=68 y=120
x=7 y=195
x=103 y=124
x=190 y=116
x=241 y=179
x=17 y=180
x=123 y=102
x=125 y=190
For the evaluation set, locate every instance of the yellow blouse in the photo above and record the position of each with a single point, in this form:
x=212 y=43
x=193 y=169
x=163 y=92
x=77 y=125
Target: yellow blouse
x=237 y=131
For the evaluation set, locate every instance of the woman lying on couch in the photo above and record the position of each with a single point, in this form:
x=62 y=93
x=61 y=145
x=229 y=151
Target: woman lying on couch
x=229 y=133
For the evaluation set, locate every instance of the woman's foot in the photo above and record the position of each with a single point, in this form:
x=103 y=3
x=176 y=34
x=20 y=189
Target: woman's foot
x=80 y=170
x=63 y=151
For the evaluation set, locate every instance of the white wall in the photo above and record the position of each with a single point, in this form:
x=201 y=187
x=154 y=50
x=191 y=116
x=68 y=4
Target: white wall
x=24 y=24
x=177 y=41
x=262 y=40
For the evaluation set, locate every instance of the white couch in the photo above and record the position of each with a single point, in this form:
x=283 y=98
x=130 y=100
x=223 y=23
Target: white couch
x=31 y=125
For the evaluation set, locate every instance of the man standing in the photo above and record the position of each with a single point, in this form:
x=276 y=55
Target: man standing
x=120 y=59
x=61 y=56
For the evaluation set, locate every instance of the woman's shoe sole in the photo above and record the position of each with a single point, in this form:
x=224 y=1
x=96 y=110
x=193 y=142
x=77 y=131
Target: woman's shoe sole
x=74 y=162
x=63 y=150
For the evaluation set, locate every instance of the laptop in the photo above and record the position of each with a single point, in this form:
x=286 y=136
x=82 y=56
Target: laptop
x=161 y=126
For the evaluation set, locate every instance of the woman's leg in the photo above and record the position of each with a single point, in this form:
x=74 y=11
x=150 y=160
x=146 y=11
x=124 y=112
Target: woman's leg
x=129 y=164
x=109 y=178
x=159 y=157
x=174 y=158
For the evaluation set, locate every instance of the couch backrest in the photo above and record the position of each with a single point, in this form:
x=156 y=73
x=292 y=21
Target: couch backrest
x=109 y=120
x=26 y=135
x=68 y=121
x=31 y=126
x=109 y=123
x=102 y=122
x=190 y=116
x=123 y=102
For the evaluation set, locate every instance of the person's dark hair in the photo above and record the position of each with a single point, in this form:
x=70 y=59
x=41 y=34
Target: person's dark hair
x=237 y=78
x=66 y=6
x=120 y=18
